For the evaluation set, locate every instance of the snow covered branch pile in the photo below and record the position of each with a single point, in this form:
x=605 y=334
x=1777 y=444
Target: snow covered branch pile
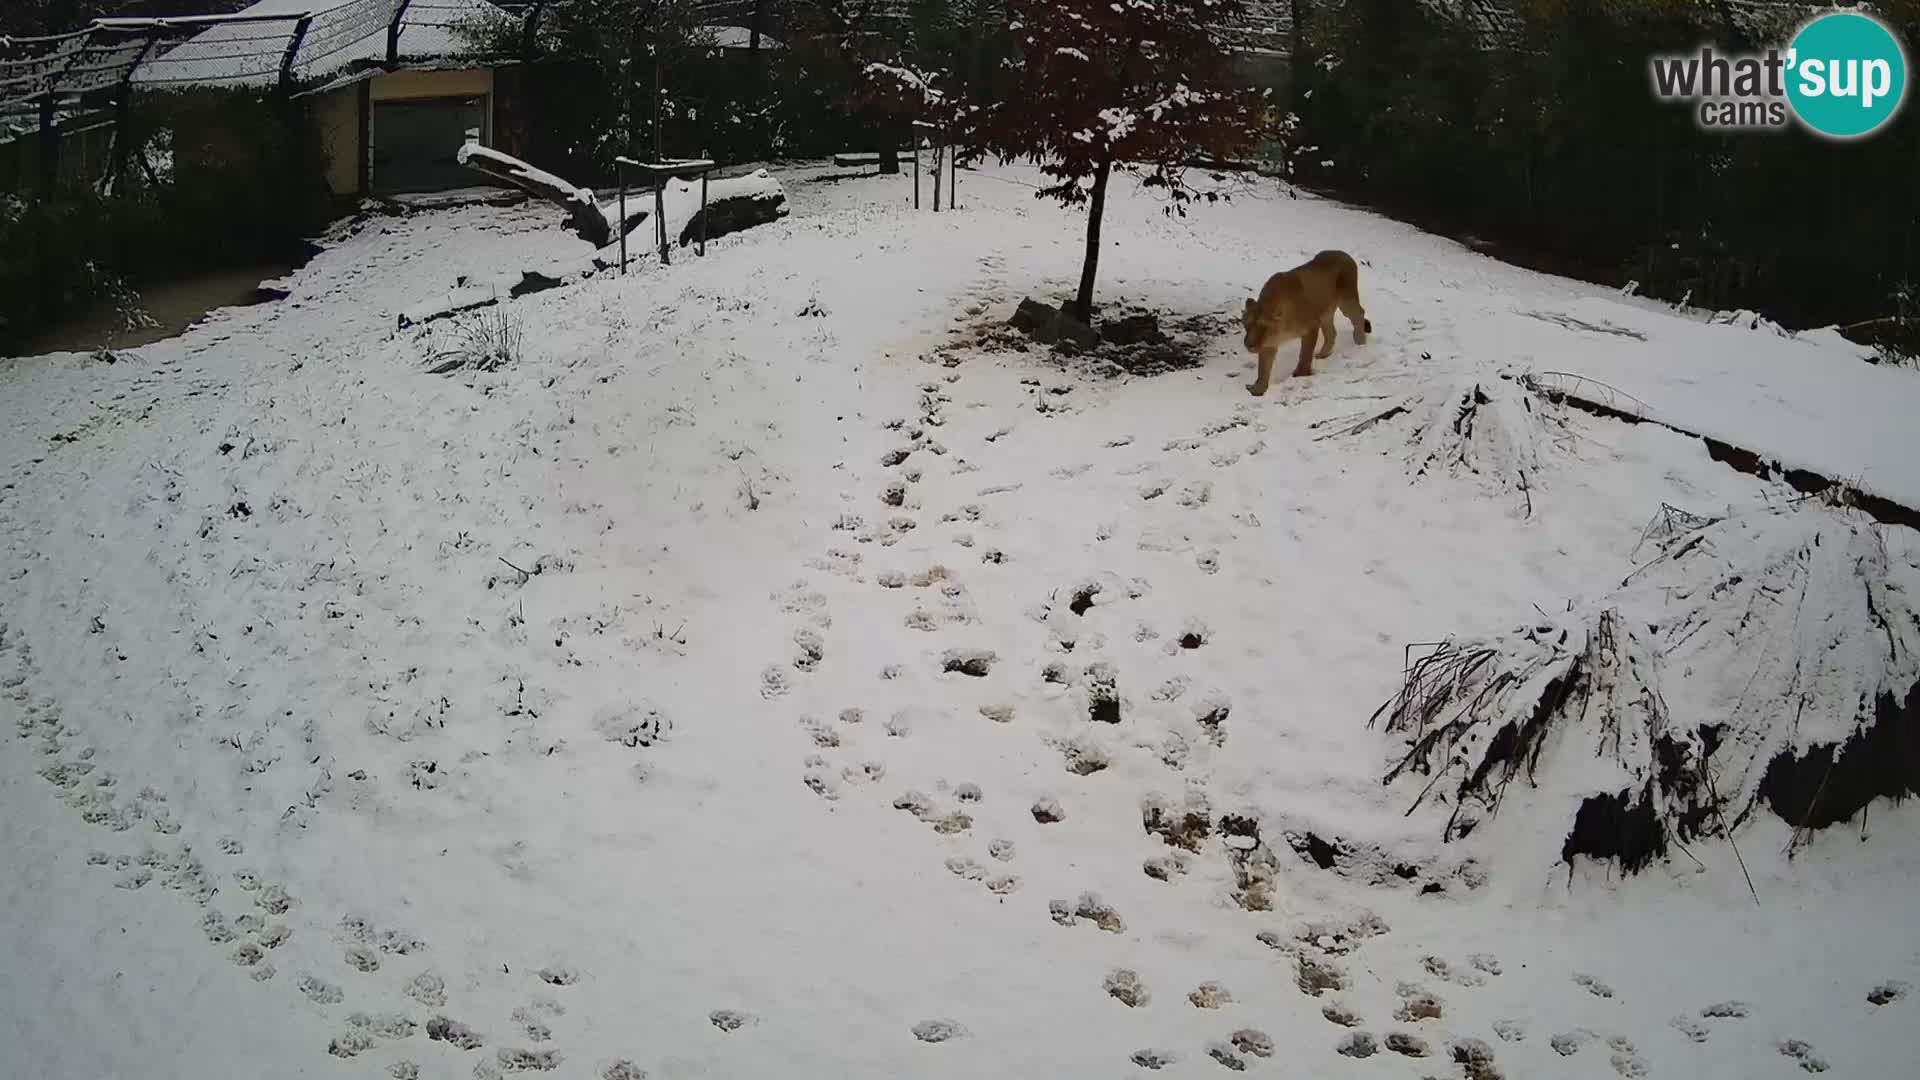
x=1768 y=659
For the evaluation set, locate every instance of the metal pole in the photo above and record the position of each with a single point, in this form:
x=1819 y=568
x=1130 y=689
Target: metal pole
x=953 y=178
x=916 y=170
x=704 y=173
x=938 y=148
x=620 y=173
x=660 y=216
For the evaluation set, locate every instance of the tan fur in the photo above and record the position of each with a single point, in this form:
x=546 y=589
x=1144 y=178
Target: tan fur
x=1299 y=303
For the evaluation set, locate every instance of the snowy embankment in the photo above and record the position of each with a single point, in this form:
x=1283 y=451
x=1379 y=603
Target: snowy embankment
x=758 y=676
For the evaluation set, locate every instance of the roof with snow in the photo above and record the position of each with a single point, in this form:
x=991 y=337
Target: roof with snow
x=340 y=34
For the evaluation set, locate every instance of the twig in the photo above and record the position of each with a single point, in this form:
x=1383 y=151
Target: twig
x=515 y=569
x=1707 y=775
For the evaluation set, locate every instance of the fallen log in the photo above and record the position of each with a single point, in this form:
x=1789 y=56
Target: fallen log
x=585 y=217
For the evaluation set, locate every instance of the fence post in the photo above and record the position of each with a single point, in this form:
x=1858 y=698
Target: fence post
x=49 y=147
x=620 y=176
x=703 y=204
x=123 y=115
x=660 y=213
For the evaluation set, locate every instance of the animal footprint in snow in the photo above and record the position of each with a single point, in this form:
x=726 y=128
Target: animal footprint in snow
x=1252 y=1041
x=362 y=959
x=1001 y=850
x=1803 y=1053
x=1592 y=985
x=1888 y=992
x=637 y=725
x=1510 y=1030
x=558 y=975
x=318 y=990
x=821 y=783
x=730 y=1020
x=1568 y=1043
x=774 y=682
x=350 y=1044
x=1726 y=1010
x=1693 y=1029
x=1475 y=1059
x=1407 y=1045
x=532 y=1022
x=1003 y=885
x=1084 y=756
x=1165 y=867
x=383 y=1025
x=812 y=649
x=453 y=1033
x=966 y=868
x=868 y=772
x=1340 y=1014
x=937 y=1031
x=518 y=1060
x=1125 y=986
x=1154 y=1059
x=1092 y=908
x=1419 y=1005
x=1049 y=811
x=1210 y=995
x=974 y=662
x=1199 y=493
x=427 y=989
x=1317 y=975
x=230 y=846
x=1359 y=1044
x=248 y=955
x=215 y=927
x=1208 y=561
x=952 y=822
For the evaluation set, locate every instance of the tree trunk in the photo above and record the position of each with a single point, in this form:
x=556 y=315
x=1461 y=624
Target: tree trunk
x=1083 y=304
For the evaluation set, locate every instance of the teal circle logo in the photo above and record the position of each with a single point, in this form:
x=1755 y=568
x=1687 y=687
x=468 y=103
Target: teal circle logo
x=1846 y=76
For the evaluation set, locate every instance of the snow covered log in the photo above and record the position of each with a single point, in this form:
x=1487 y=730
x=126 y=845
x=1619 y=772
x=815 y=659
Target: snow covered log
x=584 y=214
x=1770 y=659
x=733 y=204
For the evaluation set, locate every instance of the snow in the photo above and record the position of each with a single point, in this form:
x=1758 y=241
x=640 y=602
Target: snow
x=1807 y=401
x=571 y=702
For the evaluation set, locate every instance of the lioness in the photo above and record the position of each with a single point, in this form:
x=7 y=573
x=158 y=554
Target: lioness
x=1299 y=303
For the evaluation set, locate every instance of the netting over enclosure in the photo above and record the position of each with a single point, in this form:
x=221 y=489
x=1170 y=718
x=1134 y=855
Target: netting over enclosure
x=273 y=42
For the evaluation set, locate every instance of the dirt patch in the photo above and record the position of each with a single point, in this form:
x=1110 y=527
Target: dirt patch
x=1124 y=340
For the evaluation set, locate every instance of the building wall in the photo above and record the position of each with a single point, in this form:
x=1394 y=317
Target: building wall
x=337 y=113
x=412 y=85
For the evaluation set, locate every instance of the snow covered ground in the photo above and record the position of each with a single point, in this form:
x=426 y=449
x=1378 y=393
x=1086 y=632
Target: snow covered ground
x=690 y=692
